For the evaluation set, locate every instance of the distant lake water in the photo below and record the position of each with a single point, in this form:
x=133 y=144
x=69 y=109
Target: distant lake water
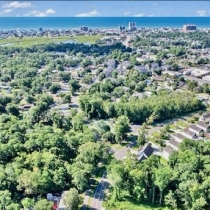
x=27 y=23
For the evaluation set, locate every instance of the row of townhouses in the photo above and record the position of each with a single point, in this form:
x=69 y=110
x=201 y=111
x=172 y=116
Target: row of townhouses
x=193 y=132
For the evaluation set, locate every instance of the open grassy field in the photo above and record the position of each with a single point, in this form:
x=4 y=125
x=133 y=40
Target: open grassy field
x=30 y=41
x=134 y=206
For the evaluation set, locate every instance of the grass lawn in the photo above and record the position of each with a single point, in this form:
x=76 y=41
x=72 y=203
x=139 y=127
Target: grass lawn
x=156 y=134
x=182 y=124
x=173 y=126
x=163 y=161
x=126 y=205
x=30 y=41
x=116 y=146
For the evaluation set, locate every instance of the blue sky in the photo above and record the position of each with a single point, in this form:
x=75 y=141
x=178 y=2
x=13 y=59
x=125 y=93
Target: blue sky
x=104 y=8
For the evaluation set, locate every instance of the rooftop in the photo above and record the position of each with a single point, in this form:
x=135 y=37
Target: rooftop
x=168 y=149
x=180 y=136
x=174 y=142
x=202 y=124
x=207 y=115
x=145 y=151
x=188 y=132
x=194 y=127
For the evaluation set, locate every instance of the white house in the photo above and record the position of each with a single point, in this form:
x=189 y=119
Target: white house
x=205 y=118
x=189 y=134
x=203 y=126
x=197 y=130
x=173 y=144
x=167 y=151
x=179 y=137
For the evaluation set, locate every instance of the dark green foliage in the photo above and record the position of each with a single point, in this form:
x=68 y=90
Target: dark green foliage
x=161 y=106
x=54 y=88
x=183 y=183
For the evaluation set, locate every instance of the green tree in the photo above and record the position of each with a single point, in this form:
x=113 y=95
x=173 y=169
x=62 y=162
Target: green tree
x=12 y=109
x=54 y=88
x=121 y=128
x=43 y=205
x=27 y=203
x=163 y=177
x=170 y=200
x=72 y=199
x=142 y=139
x=5 y=199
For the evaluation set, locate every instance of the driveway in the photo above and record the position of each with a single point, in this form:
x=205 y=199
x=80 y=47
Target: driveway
x=134 y=129
x=119 y=154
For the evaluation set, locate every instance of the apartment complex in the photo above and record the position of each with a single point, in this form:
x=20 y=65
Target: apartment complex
x=189 y=27
x=132 y=26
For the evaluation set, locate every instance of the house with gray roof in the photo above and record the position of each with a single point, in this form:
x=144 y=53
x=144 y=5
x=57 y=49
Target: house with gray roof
x=173 y=144
x=145 y=152
x=203 y=126
x=205 y=118
x=189 y=134
x=197 y=130
x=167 y=151
x=179 y=137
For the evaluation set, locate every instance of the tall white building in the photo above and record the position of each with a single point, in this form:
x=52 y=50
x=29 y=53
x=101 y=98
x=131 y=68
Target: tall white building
x=132 y=26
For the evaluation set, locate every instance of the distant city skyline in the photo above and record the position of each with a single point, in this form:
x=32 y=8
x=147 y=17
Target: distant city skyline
x=104 y=9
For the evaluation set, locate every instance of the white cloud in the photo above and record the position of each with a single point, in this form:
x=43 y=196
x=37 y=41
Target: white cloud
x=151 y=15
x=126 y=13
x=139 y=15
x=50 y=11
x=94 y=13
x=40 y=14
x=16 y=5
x=201 y=12
x=6 y=11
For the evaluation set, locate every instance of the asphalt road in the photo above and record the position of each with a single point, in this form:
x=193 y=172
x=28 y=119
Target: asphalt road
x=99 y=194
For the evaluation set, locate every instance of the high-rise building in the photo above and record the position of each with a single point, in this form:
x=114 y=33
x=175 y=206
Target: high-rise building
x=189 y=27
x=132 y=26
x=40 y=29
x=122 y=28
x=19 y=32
x=84 y=28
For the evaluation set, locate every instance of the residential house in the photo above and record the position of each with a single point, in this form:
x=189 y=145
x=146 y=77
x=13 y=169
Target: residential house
x=197 y=130
x=157 y=78
x=167 y=152
x=205 y=118
x=189 y=134
x=179 y=137
x=154 y=66
x=173 y=144
x=180 y=84
x=203 y=126
x=25 y=107
x=145 y=152
x=166 y=67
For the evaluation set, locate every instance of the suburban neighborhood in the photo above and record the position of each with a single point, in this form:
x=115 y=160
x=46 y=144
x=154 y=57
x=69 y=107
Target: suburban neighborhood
x=100 y=125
